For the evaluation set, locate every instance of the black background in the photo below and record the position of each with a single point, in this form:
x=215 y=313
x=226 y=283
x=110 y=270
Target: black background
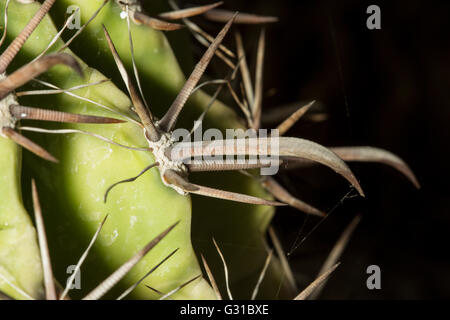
x=388 y=88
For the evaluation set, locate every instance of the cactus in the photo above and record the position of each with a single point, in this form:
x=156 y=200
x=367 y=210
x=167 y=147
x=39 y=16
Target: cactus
x=110 y=137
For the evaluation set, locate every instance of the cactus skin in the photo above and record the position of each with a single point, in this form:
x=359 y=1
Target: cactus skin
x=19 y=253
x=160 y=73
x=243 y=226
x=72 y=191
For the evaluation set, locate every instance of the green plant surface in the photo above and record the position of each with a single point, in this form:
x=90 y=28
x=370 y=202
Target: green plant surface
x=72 y=191
x=19 y=253
x=160 y=73
x=238 y=228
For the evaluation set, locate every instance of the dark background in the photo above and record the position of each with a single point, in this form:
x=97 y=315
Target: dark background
x=388 y=88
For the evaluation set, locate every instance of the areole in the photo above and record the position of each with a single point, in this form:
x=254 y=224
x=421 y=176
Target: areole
x=6 y=118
